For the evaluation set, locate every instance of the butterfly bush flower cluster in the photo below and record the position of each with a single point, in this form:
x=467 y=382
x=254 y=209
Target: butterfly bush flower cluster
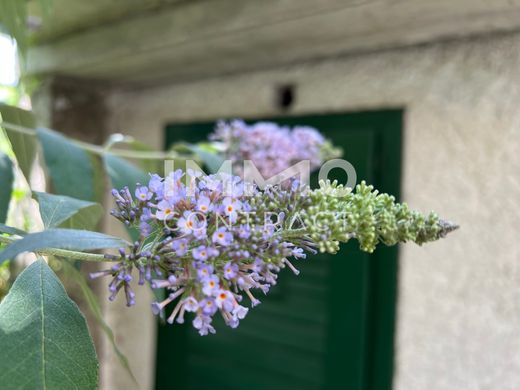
x=273 y=148
x=216 y=244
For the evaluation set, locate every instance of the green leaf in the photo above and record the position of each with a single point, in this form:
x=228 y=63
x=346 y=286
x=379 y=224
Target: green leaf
x=77 y=240
x=7 y=179
x=148 y=165
x=123 y=173
x=24 y=145
x=11 y=230
x=13 y=15
x=99 y=178
x=64 y=211
x=95 y=309
x=69 y=166
x=44 y=338
x=211 y=159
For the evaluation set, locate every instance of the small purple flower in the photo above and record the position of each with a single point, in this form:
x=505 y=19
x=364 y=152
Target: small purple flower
x=170 y=282
x=146 y=215
x=176 y=175
x=208 y=306
x=203 y=325
x=204 y=204
x=200 y=253
x=222 y=236
x=130 y=295
x=234 y=188
x=190 y=224
x=165 y=211
x=204 y=271
x=156 y=185
x=158 y=307
x=224 y=300
x=143 y=194
x=200 y=232
x=295 y=185
x=230 y=270
x=187 y=223
x=191 y=304
x=211 y=285
x=232 y=322
x=231 y=208
x=145 y=228
x=267 y=231
x=173 y=188
x=258 y=265
x=211 y=184
x=298 y=253
x=213 y=252
x=240 y=311
x=195 y=173
x=180 y=246
x=244 y=231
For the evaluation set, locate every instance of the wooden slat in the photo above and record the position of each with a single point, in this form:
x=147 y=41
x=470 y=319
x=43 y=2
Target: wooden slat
x=62 y=17
x=203 y=38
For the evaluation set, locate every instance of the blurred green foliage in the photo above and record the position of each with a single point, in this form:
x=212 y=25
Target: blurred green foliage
x=14 y=20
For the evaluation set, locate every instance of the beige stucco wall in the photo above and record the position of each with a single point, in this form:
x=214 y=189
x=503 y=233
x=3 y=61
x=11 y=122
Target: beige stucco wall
x=459 y=299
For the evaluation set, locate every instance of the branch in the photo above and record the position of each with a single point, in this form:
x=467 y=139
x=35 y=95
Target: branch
x=73 y=255
x=101 y=150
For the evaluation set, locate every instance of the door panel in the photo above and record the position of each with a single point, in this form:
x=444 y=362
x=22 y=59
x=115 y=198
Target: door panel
x=330 y=327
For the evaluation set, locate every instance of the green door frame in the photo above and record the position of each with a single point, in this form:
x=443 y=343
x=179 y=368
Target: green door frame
x=375 y=334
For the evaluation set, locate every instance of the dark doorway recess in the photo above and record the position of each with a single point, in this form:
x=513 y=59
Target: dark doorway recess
x=331 y=327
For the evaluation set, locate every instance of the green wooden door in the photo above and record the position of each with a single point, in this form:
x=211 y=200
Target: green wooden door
x=331 y=327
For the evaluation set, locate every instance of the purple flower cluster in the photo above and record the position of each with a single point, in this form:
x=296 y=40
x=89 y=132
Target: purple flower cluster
x=211 y=241
x=210 y=246
x=272 y=148
x=203 y=241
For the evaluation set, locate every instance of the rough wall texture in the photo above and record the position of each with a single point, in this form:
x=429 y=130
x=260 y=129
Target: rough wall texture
x=134 y=329
x=459 y=311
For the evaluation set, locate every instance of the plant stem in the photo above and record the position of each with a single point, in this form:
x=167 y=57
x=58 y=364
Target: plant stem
x=72 y=255
x=293 y=233
x=100 y=150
